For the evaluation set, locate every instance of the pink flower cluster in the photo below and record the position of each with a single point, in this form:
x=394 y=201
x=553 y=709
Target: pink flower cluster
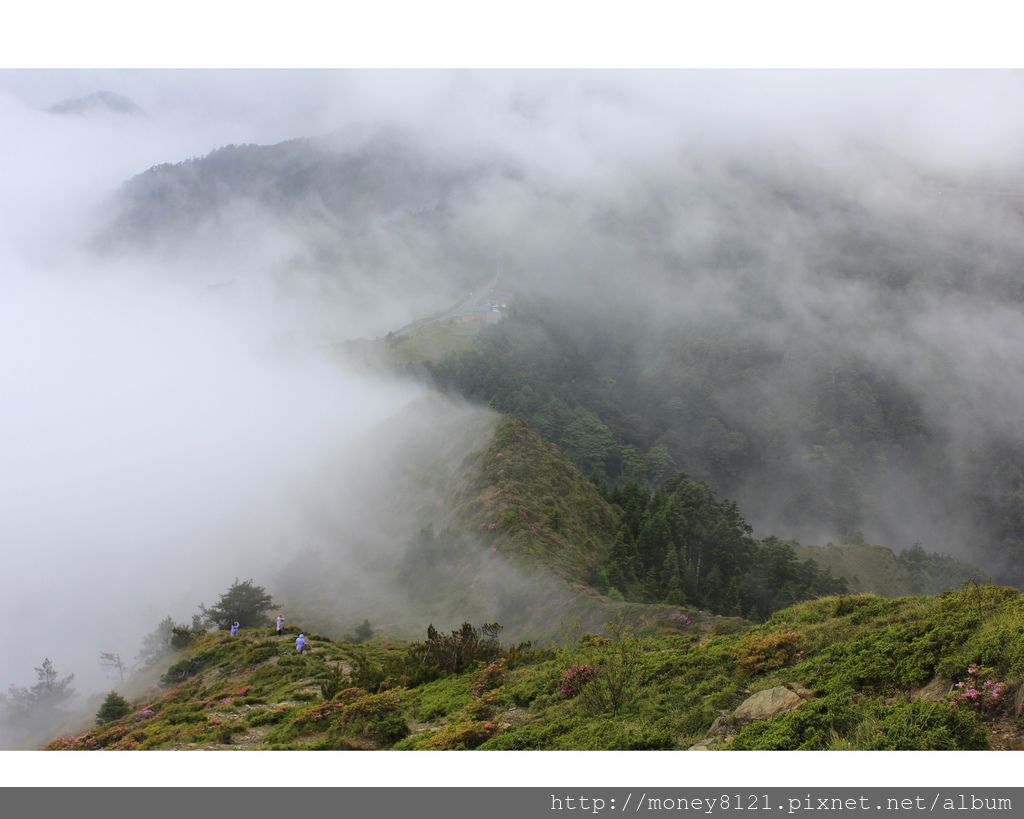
x=574 y=679
x=326 y=710
x=982 y=695
x=82 y=742
x=682 y=619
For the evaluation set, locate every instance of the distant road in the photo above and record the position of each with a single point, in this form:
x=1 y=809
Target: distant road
x=479 y=302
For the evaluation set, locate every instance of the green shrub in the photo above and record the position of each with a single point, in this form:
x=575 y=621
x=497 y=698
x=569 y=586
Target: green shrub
x=768 y=652
x=443 y=654
x=531 y=736
x=460 y=737
x=492 y=675
x=442 y=697
x=370 y=705
x=182 y=637
x=839 y=721
x=920 y=726
x=181 y=670
x=225 y=732
x=889 y=658
x=639 y=733
x=372 y=718
x=183 y=713
x=388 y=729
x=525 y=689
x=114 y=707
x=481 y=709
x=260 y=653
x=349 y=695
x=813 y=726
x=332 y=681
x=361 y=633
x=269 y=717
x=365 y=673
x=617 y=674
x=524 y=654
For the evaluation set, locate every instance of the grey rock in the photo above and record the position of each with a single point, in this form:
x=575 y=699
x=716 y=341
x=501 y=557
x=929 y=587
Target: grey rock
x=768 y=703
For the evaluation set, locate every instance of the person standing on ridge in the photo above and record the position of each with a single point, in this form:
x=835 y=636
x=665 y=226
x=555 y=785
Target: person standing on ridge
x=300 y=643
x=234 y=629
x=280 y=625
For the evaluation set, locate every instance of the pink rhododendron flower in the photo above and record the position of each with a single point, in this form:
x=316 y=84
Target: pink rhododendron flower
x=981 y=695
x=574 y=679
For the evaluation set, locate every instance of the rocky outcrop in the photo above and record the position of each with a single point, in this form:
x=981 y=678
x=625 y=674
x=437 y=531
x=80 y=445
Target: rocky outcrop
x=766 y=704
x=762 y=705
x=721 y=731
x=935 y=690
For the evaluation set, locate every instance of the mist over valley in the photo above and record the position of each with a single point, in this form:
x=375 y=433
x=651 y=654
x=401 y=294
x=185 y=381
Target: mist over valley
x=547 y=349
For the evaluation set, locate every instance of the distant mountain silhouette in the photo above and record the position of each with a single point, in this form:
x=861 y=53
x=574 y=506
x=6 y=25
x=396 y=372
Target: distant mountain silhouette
x=97 y=102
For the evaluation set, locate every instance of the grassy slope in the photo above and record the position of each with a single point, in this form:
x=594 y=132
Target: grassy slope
x=875 y=569
x=529 y=504
x=862 y=656
x=434 y=341
x=530 y=500
x=430 y=341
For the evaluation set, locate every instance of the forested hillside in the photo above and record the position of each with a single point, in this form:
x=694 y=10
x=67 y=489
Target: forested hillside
x=810 y=444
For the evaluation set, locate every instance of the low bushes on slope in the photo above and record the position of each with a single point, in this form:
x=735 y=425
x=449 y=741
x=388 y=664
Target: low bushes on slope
x=865 y=659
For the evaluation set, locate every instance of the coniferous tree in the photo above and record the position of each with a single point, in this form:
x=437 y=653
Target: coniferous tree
x=671 y=579
x=45 y=697
x=114 y=707
x=244 y=603
x=622 y=563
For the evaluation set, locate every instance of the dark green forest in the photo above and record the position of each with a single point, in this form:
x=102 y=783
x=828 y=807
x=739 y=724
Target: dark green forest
x=812 y=444
x=680 y=545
